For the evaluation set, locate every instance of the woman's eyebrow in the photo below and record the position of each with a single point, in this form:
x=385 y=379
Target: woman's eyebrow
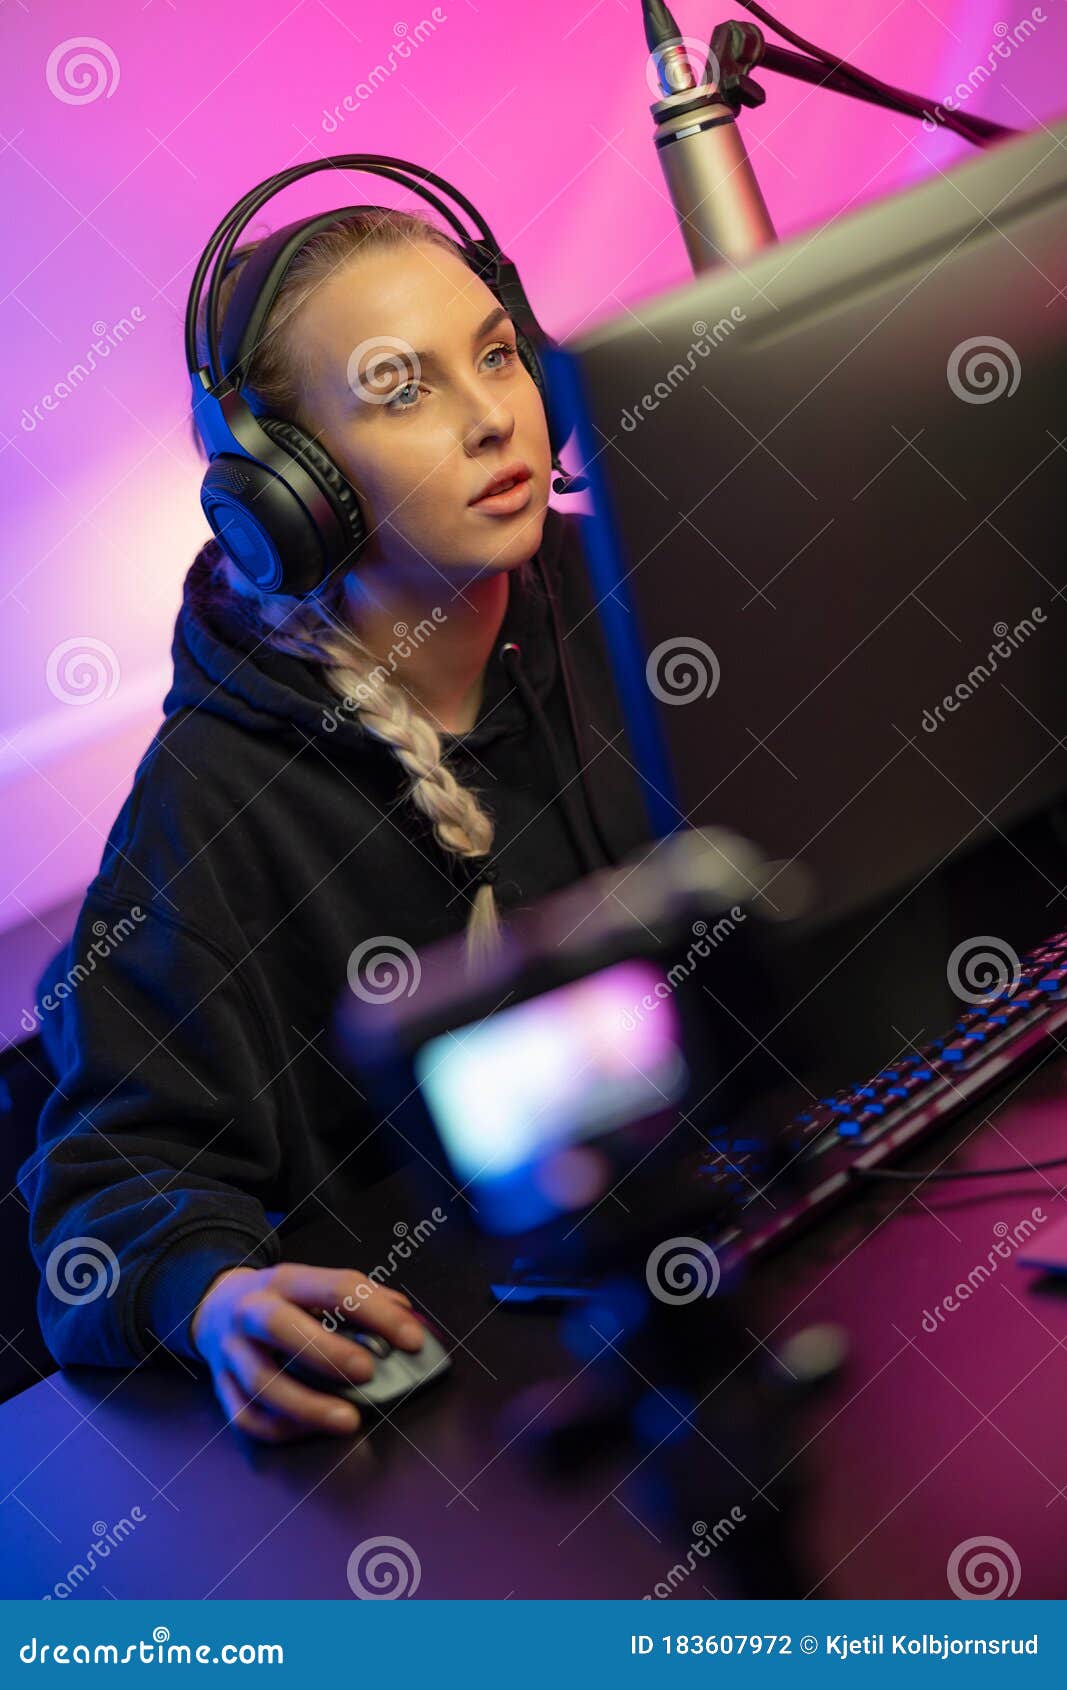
x=430 y=360
x=426 y=360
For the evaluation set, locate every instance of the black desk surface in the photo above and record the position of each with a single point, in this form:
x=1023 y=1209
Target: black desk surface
x=927 y=1440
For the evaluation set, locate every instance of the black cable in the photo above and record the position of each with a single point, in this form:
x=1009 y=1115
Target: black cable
x=961 y=1173
x=981 y=130
x=575 y=818
x=572 y=691
x=959 y=122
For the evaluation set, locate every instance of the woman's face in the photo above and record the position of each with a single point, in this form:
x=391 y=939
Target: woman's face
x=418 y=394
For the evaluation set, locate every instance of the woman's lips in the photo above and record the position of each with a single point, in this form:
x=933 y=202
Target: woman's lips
x=506 y=504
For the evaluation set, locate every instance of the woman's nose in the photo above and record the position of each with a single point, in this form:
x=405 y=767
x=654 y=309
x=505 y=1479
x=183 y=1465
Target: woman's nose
x=491 y=418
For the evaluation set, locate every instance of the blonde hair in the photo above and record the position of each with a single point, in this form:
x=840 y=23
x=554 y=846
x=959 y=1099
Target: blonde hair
x=316 y=629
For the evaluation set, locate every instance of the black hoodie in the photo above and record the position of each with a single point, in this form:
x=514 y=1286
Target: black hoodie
x=265 y=836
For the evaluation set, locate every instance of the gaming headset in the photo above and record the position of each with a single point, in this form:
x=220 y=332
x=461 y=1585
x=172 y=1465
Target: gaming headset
x=276 y=502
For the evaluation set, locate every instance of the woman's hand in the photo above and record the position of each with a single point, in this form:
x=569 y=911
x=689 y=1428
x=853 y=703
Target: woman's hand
x=247 y=1315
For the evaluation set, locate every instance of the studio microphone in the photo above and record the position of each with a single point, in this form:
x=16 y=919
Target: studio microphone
x=709 y=176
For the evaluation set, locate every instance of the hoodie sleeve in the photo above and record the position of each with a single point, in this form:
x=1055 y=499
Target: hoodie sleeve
x=161 y=1129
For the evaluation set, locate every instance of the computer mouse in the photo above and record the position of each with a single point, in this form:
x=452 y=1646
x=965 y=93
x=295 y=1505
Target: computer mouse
x=397 y=1373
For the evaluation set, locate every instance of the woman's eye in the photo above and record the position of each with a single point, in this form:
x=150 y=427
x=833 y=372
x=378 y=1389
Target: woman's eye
x=509 y=352
x=408 y=387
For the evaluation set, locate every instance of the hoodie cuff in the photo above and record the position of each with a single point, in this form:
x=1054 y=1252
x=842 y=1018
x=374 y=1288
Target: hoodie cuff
x=171 y=1291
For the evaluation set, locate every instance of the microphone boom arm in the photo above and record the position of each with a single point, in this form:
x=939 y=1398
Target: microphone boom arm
x=710 y=178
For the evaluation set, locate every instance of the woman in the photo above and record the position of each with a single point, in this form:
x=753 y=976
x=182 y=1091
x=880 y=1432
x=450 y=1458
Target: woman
x=337 y=780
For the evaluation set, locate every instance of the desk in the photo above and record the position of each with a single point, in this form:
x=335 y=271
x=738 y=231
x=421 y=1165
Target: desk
x=928 y=1439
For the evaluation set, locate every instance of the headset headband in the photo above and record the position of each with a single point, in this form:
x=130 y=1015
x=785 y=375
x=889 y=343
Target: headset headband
x=226 y=235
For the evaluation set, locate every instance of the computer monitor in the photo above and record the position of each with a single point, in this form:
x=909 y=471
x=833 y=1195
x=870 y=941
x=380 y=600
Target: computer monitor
x=828 y=546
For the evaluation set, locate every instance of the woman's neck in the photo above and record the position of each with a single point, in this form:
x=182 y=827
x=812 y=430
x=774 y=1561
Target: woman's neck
x=438 y=653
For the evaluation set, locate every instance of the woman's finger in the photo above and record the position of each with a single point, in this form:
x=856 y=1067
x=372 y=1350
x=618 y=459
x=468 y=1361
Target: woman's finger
x=349 y=1295
x=269 y=1388
x=375 y=1308
x=243 y=1413
x=272 y=1319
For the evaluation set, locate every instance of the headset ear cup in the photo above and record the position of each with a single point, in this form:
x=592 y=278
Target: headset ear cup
x=268 y=531
x=335 y=487
x=322 y=469
x=255 y=518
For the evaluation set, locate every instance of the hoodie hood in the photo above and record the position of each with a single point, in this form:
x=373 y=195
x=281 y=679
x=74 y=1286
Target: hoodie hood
x=222 y=667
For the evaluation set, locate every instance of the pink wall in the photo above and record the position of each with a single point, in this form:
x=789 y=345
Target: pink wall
x=539 y=113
